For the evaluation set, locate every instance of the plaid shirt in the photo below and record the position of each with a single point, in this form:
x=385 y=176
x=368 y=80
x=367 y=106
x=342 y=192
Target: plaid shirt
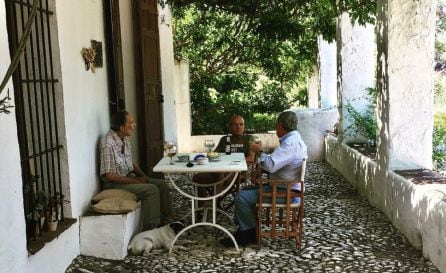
x=115 y=154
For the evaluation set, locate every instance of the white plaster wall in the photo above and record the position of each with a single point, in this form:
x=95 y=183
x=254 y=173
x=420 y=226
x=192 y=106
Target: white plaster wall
x=356 y=53
x=327 y=73
x=57 y=255
x=85 y=96
x=13 y=253
x=128 y=63
x=313 y=89
x=168 y=74
x=417 y=211
x=312 y=126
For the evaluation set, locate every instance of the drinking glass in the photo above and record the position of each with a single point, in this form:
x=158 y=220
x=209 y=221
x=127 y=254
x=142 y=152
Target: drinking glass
x=171 y=152
x=210 y=144
x=255 y=139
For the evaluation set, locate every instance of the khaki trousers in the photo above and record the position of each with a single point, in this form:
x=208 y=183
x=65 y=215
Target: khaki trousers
x=156 y=203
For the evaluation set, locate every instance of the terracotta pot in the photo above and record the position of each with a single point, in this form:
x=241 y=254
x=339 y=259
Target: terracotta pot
x=52 y=226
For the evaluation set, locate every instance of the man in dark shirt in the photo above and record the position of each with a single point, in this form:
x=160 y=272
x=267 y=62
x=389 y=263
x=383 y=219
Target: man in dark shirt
x=240 y=143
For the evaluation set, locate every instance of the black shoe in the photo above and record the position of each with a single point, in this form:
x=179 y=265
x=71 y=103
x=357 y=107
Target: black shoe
x=243 y=238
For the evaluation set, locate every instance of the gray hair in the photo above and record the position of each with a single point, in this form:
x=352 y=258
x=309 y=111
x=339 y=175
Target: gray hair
x=118 y=119
x=288 y=119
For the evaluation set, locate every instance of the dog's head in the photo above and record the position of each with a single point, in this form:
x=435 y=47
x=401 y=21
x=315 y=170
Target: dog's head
x=176 y=226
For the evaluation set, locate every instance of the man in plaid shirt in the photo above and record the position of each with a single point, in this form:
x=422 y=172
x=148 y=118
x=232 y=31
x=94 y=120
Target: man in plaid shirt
x=118 y=171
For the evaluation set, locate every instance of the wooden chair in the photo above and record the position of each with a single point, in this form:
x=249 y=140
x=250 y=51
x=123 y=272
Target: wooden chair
x=246 y=179
x=282 y=219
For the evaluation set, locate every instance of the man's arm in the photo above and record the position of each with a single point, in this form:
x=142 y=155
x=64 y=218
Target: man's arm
x=221 y=145
x=137 y=170
x=116 y=178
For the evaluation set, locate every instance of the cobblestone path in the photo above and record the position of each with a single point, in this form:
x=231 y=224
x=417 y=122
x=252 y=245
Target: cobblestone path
x=342 y=233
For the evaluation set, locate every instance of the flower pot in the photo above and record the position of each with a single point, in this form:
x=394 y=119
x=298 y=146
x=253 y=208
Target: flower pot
x=40 y=224
x=52 y=226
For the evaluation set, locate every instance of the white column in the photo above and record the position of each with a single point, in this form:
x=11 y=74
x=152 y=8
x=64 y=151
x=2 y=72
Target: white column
x=167 y=72
x=356 y=61
x=405 y=36
x=327 y=73
x=182 y=106
x=313 y=89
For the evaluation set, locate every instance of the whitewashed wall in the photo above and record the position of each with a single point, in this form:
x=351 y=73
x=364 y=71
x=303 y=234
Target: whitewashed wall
x=13 y=253
x=85 y=96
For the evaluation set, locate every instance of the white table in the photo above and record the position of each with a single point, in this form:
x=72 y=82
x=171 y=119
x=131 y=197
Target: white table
x=233 y=163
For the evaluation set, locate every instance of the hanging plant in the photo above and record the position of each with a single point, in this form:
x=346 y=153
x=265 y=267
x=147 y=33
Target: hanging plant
x=5 y=104
x=89 y=55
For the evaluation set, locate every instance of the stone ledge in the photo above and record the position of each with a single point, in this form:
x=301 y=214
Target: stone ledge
x=417 y=211
x=107 y=235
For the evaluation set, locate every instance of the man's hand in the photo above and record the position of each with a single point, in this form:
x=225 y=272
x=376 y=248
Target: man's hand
x=142 y=179
x=256 y=147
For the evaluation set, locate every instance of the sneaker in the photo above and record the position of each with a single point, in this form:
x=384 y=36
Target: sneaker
x=243 y=238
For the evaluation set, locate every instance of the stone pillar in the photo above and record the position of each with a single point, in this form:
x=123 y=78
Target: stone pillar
x=182 y=106
x=313 y=89
x=405 y=37
x=356 y=63
x=327 y=73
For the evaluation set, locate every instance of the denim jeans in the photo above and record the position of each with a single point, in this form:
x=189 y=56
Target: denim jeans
x=245 y=202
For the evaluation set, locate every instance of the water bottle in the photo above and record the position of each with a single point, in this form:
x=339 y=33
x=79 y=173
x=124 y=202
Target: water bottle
x=228 y=145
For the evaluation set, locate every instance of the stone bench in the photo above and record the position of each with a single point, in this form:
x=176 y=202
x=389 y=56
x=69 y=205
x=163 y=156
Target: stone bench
x=107 y=235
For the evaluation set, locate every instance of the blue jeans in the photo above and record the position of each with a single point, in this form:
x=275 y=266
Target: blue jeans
x=245 y=202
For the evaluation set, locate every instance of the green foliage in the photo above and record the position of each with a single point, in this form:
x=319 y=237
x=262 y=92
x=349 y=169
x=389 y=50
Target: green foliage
x=252 y=57
x=440 y=92
x=261 y=122
x=439 y=143
x=38 y=206
x=365 y=123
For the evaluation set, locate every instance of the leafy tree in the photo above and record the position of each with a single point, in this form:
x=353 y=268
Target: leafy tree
x=252 y=57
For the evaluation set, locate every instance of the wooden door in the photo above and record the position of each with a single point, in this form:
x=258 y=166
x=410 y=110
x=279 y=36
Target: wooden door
x=148 y=83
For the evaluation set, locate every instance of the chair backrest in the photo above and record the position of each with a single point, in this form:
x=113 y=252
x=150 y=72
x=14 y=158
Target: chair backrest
x=276 y=210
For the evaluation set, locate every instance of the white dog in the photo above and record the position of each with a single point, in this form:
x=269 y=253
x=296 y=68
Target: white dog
x=162 y=237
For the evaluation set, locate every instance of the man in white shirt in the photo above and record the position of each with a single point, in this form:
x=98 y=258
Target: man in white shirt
x=284 y=163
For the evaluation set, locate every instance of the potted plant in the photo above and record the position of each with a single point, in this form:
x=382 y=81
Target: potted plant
x=53 y=211
x=37 y=213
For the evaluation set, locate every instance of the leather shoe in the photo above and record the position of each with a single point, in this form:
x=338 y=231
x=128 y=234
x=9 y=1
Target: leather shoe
x=243 y=238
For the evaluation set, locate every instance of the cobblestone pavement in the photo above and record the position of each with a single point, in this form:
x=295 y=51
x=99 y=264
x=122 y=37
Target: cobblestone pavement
x=342 y=233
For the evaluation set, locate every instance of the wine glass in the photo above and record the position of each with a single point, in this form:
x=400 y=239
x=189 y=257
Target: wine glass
x=171 y=151
x=255 y=139
x=210 y=144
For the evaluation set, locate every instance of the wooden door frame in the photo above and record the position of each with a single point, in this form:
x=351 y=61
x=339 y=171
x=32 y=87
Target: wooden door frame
x=141 y=82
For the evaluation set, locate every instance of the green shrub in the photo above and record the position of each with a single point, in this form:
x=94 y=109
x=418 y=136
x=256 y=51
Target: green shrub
x=439 y=143
x=365 y=123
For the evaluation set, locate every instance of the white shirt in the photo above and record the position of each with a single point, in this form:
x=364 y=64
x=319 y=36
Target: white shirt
x=286 y=160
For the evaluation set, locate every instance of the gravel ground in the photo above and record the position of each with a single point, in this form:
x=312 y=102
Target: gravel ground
x=342 y=233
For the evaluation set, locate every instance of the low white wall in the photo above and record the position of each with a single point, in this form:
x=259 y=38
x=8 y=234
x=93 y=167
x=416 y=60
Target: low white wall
x=417 y=211
x=313 y=124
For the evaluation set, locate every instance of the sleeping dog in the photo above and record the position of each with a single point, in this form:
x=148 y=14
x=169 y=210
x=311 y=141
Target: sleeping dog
x=162 y=237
